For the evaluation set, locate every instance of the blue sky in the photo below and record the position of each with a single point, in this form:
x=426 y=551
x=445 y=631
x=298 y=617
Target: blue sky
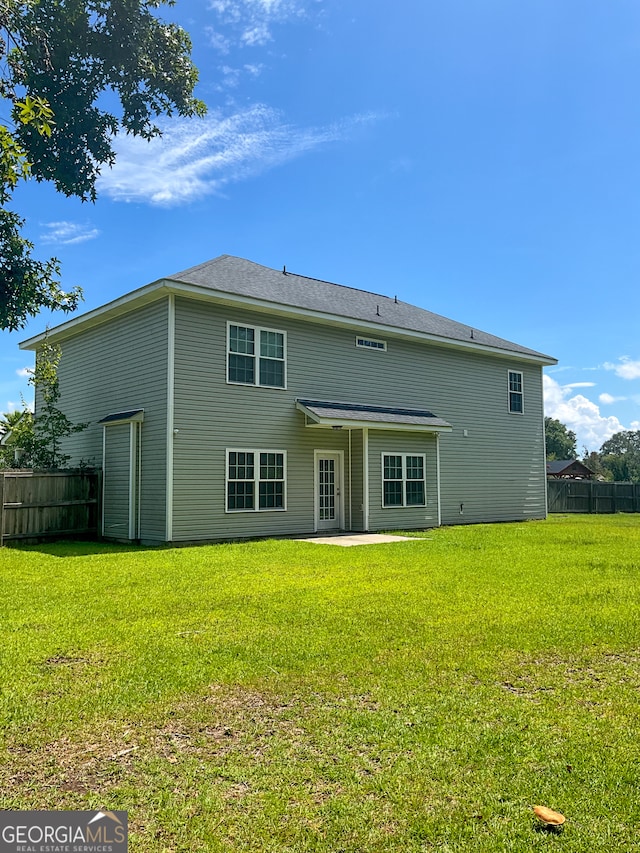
x=481 y=160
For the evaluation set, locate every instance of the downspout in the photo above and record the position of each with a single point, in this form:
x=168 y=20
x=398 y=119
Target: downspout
x=438 y=478
x=349 y=475
x=365 y=478
x=133 y=470
x=171 y=340
x=104 y=462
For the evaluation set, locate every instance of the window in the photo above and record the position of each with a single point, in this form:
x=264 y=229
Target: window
x=255 y=356
x=370 y=343
x=403 y=480
x=516 y=395
x=255 y=480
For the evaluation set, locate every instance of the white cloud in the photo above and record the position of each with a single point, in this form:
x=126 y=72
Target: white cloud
x=198 y=157
x=68 y=233
x=24 y=372
x=217 y=40
x=254 y=18
x=256 y=35
x=580 y=415
x=626 y=369
x=608 y=399
x=579 y=385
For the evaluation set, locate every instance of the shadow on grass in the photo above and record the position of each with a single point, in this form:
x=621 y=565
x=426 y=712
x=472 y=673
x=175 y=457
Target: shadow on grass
x=81 y=548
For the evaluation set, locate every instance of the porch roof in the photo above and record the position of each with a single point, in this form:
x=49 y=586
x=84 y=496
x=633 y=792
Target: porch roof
x=323 y=413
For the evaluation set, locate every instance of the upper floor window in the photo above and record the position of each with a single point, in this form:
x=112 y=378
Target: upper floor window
x=516 y=393
x=256 y=356
x=403 y=480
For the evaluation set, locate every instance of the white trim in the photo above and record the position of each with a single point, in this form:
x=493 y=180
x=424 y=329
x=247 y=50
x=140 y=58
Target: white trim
x=326 y=454
x=350 y=483
x=365 y=478
x=154 y=291
x=171 y=378
x=256 y=355
x=349 y=425
x=104 y=462
x=438 y=479
x=256 y=479
x=133 y=468
x=511 y=370
x=404 y=504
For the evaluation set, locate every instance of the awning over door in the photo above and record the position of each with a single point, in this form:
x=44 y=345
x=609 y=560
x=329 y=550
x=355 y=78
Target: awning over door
x=321 y=413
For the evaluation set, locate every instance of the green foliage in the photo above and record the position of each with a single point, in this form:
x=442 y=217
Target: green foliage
x=560 y=442
x=285 y=696
x=39 y=436
x=620 y=455
x=60 y=61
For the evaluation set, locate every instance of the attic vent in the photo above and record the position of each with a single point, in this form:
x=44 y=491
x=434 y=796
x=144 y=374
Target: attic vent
x=370 y=343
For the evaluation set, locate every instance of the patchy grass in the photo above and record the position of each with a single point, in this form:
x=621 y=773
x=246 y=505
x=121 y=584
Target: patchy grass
x=286 y=696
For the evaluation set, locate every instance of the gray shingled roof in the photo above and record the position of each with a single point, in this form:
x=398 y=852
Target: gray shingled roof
x=556 y=466
x=228 y=274
x=325 y=410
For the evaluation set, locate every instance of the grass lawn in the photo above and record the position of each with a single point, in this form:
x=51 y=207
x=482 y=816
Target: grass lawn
x=286 y=696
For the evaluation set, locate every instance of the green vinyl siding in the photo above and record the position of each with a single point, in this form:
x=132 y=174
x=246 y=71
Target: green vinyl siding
x=118 y=366
x=399 y=446
x=494 y=472
x=116 y=485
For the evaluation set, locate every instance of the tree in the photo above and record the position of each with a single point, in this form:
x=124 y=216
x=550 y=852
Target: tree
x=560 y=442
x=63 y=68
x=39 y=437
x=8 y=420
x=621 y=456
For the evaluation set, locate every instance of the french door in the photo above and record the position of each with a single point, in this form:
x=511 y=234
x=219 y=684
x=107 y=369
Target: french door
x=328 y=491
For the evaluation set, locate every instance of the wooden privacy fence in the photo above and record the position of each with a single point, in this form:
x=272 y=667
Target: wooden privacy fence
x=35 y=505
x=592 y=496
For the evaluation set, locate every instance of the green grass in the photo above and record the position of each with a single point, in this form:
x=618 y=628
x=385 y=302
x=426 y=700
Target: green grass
x=286 y=696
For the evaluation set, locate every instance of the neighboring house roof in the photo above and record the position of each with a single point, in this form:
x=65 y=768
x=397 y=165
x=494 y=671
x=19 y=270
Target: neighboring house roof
x=241 y=281
x=558 y=467
x=324 y=413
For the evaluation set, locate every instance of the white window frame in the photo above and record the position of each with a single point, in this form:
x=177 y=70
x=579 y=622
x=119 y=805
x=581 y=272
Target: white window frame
x=256 y=355
x=366 y=343
x=256 y=480
x=511 y=411
x=404 y=504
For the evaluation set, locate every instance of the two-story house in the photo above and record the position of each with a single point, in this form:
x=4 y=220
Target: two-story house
x=232 y=400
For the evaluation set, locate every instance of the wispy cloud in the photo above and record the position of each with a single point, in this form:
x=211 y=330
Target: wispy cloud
x=626 y=368
x=23 y=372
x=198 y=157
x=579 y=385
x=252 y=20
x=608 y=399
x=580 y=414
x=232 y=76
x=67 y=233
